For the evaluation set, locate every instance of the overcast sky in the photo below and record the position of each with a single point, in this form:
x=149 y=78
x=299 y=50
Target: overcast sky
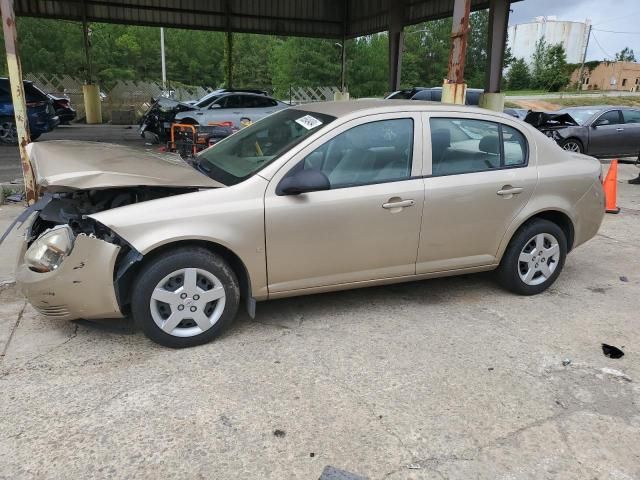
x=615 y=15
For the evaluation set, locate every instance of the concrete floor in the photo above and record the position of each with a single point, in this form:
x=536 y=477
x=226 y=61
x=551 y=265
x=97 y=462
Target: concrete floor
x=450 y=378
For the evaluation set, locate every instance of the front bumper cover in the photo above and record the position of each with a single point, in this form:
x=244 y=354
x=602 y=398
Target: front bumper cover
x=81 y=287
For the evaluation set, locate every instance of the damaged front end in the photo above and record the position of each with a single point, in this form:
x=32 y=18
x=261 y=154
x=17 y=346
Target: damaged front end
x=557 y=126
x=72 y=266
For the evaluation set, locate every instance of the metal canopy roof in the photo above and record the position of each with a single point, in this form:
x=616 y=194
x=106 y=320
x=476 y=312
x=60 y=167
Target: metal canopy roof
x=311 y=18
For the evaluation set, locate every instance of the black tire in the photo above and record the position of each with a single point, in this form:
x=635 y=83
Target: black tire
x=575 y=141
x=508 y=273
x=157 y=269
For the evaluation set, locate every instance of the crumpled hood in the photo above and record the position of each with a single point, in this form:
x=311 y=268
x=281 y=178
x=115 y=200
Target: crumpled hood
x=61 y=165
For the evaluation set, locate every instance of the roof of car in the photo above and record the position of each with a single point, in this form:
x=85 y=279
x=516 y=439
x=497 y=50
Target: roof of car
x=342 y=108
x=590 y=107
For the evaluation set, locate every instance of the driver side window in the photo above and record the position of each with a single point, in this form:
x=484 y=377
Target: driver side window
x=609 y=118
x=374 y=152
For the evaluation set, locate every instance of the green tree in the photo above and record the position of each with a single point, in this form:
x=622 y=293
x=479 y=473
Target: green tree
x=518 y=77
x=367 y=65
x=625 y=55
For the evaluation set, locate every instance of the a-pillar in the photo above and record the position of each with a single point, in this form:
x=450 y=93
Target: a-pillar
x=492 y=99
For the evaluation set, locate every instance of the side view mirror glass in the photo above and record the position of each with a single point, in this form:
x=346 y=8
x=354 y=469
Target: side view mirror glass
x=304 y=181
x=215 y=105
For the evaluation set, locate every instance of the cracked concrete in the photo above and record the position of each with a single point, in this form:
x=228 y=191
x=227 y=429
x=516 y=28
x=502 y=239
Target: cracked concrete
x=441 y=379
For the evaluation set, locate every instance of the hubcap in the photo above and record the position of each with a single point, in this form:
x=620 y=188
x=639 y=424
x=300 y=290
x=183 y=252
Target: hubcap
x=187 y=302
x=538 y=259
x=8 y=133
x=572 y=147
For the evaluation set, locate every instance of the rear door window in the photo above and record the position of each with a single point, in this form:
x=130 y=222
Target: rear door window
x=466 y=145
x=609 y=118
x=631 y=116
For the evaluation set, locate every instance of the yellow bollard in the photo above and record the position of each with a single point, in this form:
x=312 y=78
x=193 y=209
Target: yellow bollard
x=92 y=104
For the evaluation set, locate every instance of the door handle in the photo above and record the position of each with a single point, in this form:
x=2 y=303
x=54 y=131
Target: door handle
x=619 y=129
x=507 y=190
x=400 y=204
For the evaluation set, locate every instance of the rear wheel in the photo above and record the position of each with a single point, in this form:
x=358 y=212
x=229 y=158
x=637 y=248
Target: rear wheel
x=185 y=298
x=534 y=258
x=572 y=145
x=8 y=132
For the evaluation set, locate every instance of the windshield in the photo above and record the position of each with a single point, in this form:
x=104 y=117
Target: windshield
x=580 y=115
x=244 y=153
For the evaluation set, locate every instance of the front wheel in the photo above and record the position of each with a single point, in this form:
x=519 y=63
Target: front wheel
x=185 y=298
x=534 y=258
x=572 y=145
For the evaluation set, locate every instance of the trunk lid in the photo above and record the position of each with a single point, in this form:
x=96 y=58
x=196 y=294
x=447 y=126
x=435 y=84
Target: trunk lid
x=63 y=165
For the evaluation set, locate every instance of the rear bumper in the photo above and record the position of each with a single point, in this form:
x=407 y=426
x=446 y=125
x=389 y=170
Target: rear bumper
x=82 y=287
x=589 y=214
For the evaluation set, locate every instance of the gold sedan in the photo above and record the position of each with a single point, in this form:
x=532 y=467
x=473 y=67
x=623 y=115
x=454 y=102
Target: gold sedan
x=311 y=199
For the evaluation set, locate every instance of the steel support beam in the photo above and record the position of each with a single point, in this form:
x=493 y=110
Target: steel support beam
x=18 y=96
x=498 y=23
x=459 y=36
x=396 y=41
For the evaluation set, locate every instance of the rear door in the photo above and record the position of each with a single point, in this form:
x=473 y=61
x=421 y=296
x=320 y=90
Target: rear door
x=606 y=134
x=479 y=173
x=631 y=134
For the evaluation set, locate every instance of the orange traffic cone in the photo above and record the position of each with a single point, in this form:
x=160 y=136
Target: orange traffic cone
x=611 y=187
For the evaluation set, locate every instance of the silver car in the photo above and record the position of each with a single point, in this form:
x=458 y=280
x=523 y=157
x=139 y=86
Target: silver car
x=240 y=108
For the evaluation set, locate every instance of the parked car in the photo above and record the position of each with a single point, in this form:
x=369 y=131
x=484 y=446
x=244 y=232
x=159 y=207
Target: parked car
x=434 y=94
x=231 y=107
x=206 y=100
x=40 y=110
x=314 y=198
x=62 y=106
x=601 y=131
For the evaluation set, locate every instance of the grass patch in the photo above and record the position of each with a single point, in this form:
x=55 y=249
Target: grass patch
x=629 y=101
x=510 y=93
x=508 y=104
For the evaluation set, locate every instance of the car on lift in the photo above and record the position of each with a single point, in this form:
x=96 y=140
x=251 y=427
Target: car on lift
x=433 y=94
x=601 y=131
x=315 y=198
x=40 y=112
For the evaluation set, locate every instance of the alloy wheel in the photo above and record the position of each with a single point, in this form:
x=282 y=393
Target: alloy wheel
x=187 y=302
x=8 y=133
x=539 y=259
x=572 y=147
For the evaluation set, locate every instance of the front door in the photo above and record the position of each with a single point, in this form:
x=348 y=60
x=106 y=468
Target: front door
x=367 y=225
x=631 y=134
x=481 y=177
x=606 y=134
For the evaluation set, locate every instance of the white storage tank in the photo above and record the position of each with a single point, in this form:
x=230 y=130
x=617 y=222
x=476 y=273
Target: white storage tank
x=572 y=36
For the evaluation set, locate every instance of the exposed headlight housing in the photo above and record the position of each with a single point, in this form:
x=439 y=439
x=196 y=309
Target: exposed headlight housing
x=48 y=251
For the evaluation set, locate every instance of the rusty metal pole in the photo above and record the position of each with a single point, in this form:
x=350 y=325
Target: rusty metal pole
x=454 y=88
x=17 y=95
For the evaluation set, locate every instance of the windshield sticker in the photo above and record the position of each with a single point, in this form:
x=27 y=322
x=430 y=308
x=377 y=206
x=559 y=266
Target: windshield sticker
x=309 y=122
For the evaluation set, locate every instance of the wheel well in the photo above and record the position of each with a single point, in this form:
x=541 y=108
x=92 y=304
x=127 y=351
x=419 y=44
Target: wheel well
x=560 y=219
x=187 y=121
x=125 y=282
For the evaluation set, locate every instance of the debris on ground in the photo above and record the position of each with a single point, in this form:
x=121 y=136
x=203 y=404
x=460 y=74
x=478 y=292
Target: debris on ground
x=611 y=351
x=15 y=197
x=332 y=473
x=624 y=279
x=615 y=373
x=279 y=433
x=566 y=362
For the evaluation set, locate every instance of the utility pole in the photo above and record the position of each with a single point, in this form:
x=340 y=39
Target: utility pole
x=229 y=59
x=18 y=96
x=164 y=66
x=584 y=57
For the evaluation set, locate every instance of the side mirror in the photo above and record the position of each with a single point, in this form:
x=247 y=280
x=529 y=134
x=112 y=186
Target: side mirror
x=215 y=105
x=302 y=182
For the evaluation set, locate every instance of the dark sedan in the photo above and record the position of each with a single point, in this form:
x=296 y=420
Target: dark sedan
x=433 y=94
x=601 y=131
